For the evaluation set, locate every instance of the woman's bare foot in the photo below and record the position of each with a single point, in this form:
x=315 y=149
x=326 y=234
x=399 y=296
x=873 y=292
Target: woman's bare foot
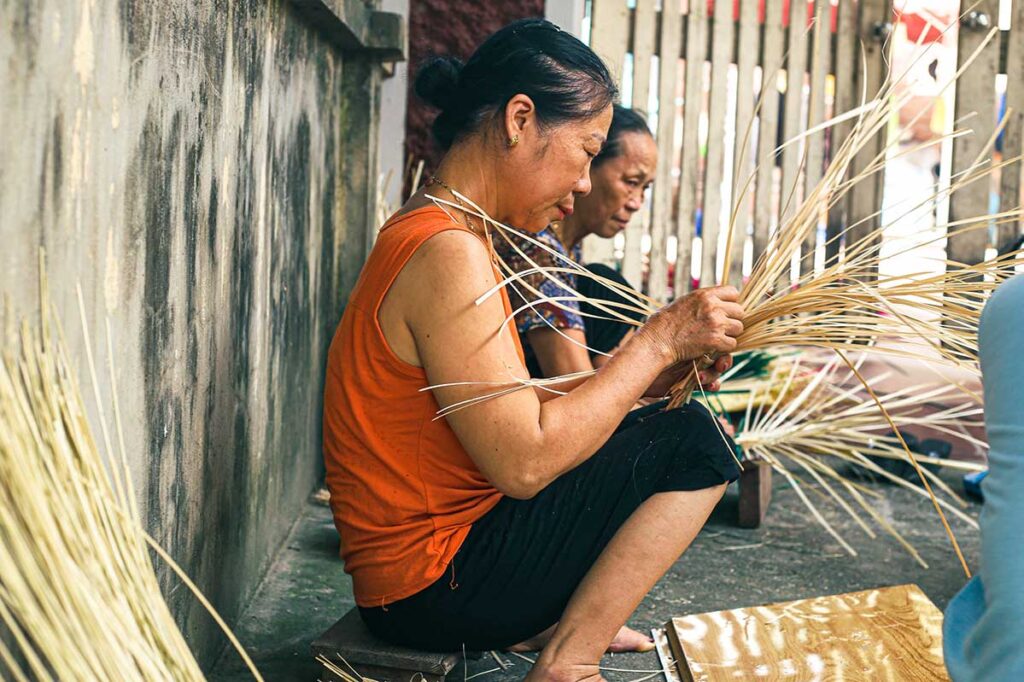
x=626 y=640
x=629 y=639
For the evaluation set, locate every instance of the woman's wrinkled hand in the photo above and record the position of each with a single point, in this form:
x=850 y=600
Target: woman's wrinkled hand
x=704 y=322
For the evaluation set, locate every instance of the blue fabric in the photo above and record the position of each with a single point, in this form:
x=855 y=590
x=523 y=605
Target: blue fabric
x=984 y=628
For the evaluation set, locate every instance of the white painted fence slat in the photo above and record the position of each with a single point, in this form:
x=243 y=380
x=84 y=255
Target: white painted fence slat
x=821 y=58
x=718 y=117
x=644 y=39
x=975 y=97
x=693 y=103
x=609 y=38
x=747 y=50
x=668 y=79
x=1010 y=190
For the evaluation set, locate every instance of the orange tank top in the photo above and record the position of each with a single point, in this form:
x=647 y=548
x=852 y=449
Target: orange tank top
x=404 y=492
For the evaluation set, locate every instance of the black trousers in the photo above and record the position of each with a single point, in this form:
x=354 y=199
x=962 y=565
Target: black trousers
x=522 y=561
x=602 y=334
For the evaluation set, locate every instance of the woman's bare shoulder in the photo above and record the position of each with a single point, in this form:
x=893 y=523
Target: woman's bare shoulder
x=453 y=259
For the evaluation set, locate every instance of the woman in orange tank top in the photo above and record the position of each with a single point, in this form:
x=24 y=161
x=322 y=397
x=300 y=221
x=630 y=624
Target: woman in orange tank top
x=536 y=520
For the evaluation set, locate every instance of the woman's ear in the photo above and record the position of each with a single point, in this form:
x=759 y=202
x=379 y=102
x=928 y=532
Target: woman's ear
x=520 y=119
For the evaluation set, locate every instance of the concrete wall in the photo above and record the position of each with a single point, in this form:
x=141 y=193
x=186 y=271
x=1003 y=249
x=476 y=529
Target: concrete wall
x=201 y=168
x=393 y=98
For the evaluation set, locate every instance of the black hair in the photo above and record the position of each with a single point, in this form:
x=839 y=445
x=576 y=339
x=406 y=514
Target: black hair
x=563 y=77
x=624 y=120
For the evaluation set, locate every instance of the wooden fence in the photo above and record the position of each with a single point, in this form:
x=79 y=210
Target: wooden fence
x=816 y=60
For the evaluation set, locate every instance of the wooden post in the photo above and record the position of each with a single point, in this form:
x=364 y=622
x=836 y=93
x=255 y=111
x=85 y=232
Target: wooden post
x=609 y=36
x=793 y=118
x=821 y=58
x=721 y=58
x=693 y=102
x=668 y=79
x=644 y=39
x=875 y=22
x=975 y=97
x=768 y=125
x=1010 y=185
x=847 y=61
x=747 y=49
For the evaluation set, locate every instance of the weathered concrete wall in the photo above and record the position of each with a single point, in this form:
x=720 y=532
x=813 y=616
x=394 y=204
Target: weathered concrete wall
x=183 y=161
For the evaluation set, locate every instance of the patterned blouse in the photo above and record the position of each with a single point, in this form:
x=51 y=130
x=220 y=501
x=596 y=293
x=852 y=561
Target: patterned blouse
x=565 y=316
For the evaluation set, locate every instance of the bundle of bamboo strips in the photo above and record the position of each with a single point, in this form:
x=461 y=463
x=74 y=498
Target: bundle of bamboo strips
x=821 y=415
x=78 y=591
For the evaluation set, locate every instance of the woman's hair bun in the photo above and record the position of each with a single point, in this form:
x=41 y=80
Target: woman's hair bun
x=437 y=81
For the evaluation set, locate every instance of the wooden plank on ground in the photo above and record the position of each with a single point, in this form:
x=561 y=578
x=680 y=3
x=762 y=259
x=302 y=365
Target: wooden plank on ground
x=609 y=36
x=821 y=62
x=773 y=42
x=644 y=39
x=890 y=633
x=866 y=195
x=1010 y=189
x=668 y=79
x=975 y=97
x=722 y=45
x=847 y=97
x=747 y=50
x=693 y=102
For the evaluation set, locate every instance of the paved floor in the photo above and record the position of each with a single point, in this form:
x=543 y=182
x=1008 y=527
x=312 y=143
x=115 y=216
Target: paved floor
x=789 y=557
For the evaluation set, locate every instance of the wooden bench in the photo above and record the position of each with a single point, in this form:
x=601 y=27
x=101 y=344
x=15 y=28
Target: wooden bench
x=349 y=646
x=891 y=633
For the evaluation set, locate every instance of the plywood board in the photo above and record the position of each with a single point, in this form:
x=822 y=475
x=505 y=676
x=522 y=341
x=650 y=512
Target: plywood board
x=891 y=633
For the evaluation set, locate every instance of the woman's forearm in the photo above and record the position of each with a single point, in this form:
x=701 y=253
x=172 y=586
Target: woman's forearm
x=573 y=426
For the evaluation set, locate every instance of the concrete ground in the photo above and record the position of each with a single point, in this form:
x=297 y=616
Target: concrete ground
x=789 y=557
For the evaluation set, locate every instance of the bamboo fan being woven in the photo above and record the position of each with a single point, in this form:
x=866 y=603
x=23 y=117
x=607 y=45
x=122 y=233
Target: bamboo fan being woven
x=819 y=420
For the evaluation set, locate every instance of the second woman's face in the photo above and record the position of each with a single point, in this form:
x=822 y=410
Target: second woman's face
x=554 y=171
x=619 y=185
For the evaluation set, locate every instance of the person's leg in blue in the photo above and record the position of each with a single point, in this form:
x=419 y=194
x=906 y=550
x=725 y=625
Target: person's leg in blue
x=984 y=626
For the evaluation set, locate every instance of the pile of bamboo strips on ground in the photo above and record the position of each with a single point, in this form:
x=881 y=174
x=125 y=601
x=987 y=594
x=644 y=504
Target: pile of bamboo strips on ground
x=78 y=593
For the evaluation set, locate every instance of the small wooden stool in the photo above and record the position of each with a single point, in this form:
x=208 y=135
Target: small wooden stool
x=755 y=493
x=349 y=645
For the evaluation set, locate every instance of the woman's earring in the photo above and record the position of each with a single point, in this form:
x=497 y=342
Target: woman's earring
x=513 y=141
